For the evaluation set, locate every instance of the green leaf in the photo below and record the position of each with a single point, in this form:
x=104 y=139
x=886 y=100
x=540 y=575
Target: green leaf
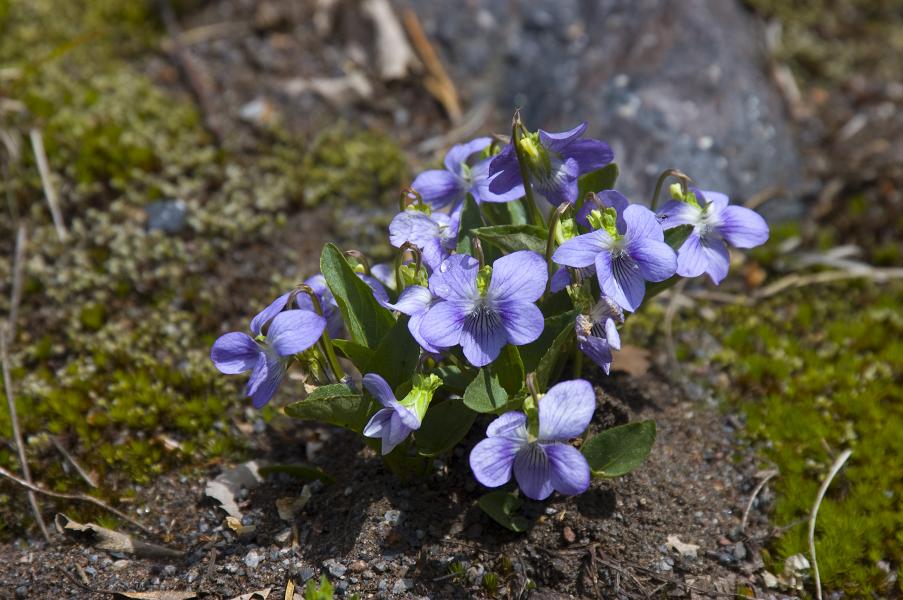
x=505 y=213
x=396 y=356
x=470 y=219
x=359 y=355
x=336 y=404
x=533 y=352
x=676 y=236
x=302 y=472
x=453 y=379
x=619 y=450
x=367 y=321
x=510 y=369
x=558 y=351
x=485 y=394
x=502 y=507
x=598 y=180
x=445 y=425
x=511 y=238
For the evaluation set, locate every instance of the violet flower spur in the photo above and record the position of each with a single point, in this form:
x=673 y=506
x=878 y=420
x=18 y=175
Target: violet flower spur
x=624 y=260
x=555 y=161
x=267 y=356
x=597 y=332
x=542 y=462
x=714 y=222
x=436 y=234
x=450 y=186
x=482 y=316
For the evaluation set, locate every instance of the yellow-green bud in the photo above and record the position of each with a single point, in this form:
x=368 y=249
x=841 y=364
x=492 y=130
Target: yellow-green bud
x=484 y=277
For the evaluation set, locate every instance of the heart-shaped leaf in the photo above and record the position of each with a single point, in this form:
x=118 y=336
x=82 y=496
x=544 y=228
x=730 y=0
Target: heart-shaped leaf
x=502 y=507
x=619 y=450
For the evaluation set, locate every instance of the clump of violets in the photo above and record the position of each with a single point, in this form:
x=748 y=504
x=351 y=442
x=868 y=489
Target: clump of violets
x=490 y=300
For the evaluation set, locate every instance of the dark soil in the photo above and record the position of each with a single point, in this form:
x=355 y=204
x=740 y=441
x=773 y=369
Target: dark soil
x=372 y=534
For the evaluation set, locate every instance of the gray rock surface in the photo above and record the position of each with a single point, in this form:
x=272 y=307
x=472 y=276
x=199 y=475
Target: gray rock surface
x=667 y=84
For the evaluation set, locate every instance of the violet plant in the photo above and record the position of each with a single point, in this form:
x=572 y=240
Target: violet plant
x=492 y=300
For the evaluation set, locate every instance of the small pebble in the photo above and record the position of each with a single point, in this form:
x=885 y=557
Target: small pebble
x=568 y=535
x=382 y=586
x=21 y=592
x=393 y=517
x=169 y=570
x=335 y=568
x=252 y=559
x=739 y=551
x=402 y=585
x=307 y=573
x=120 y=564
x=358 y=566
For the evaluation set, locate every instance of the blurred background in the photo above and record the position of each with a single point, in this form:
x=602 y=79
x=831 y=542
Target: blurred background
x=170 y=166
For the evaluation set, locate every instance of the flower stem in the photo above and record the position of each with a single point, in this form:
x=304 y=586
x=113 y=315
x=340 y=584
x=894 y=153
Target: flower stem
x=679 y=175
x=578 y=362
x=529 y=202
x=550 y=242
x=328 y=349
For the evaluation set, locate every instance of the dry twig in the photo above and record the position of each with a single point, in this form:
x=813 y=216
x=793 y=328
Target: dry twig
x=766 y=477
x=79 y=497
x=17 y=433
x=37 y=144
x=835 y=468
x=71 y=459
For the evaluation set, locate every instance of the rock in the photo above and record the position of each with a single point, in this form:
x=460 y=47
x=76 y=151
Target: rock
x=169 y=570
x=120 y=564
x=252 y=559
x=402 y=585
x=739 y=551
x=568 y=534
x=21 y=592
x=358 y=566
x=393 y=517
x=383 y=585
x=307 y=573
x=666 y=87
x=769 y=580
x=167 y=216
x=335 y=568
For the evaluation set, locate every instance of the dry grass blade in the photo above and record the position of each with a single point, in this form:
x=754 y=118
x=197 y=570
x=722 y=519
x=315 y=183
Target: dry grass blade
x=17 y=433
x=15 y=296
x=835 y=469
x=766 y=477
x=71 y=460
x=111 y=540
x=37 y=144
x=437 y=81
x=77 y=497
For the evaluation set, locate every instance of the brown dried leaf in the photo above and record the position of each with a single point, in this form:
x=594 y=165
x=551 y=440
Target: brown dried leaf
x=632 y=360
x=112 y=541
x=161 y=595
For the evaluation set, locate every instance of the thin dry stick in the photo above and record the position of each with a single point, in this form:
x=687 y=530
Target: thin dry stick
x=437 y=81
x=17 y=433
x=79 y=497
x=835 y=468
x=18 y=269
x=768 y=475
x=71 y=459
x=37 y=144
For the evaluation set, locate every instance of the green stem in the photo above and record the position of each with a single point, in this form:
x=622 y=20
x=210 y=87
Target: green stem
x=550 y=242
x=679 y=175
x=334 y=364
x=533 y=212
x=578 y=362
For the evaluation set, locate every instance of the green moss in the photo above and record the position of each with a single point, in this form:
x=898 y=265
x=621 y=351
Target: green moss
x=353 y=167
x=815 y=370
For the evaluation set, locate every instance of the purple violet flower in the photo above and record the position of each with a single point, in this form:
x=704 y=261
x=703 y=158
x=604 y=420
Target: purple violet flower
x=608 y=199
x=543 y=462
x=714 y=222
x=625 y=260
x=482 y=316
x=597 y=332
x=394 y=422
x=267 y=356
x=441 y=187
x=436 y=234
x=555 y=161
x=328 y=302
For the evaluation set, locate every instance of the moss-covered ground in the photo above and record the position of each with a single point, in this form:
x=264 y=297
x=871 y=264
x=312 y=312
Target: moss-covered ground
x=115 y=324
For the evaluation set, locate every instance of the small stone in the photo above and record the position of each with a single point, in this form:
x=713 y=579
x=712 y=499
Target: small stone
x=120 y=564
x=475 y=574
x=383 y=585
x=341 y=586
x=169 y=570
x=663 y=564
x=769 y=580
x=380 y=566
x=252 y=559
x=393 y=517
x=335 y=568
x=739 y=551
x=90 y=570
x=167 y=216
x=307 y=573
x=283 y=537
x=550 y=510
x=21 y=592
x=568 y=535
x=358 y=566
x=402 y=585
